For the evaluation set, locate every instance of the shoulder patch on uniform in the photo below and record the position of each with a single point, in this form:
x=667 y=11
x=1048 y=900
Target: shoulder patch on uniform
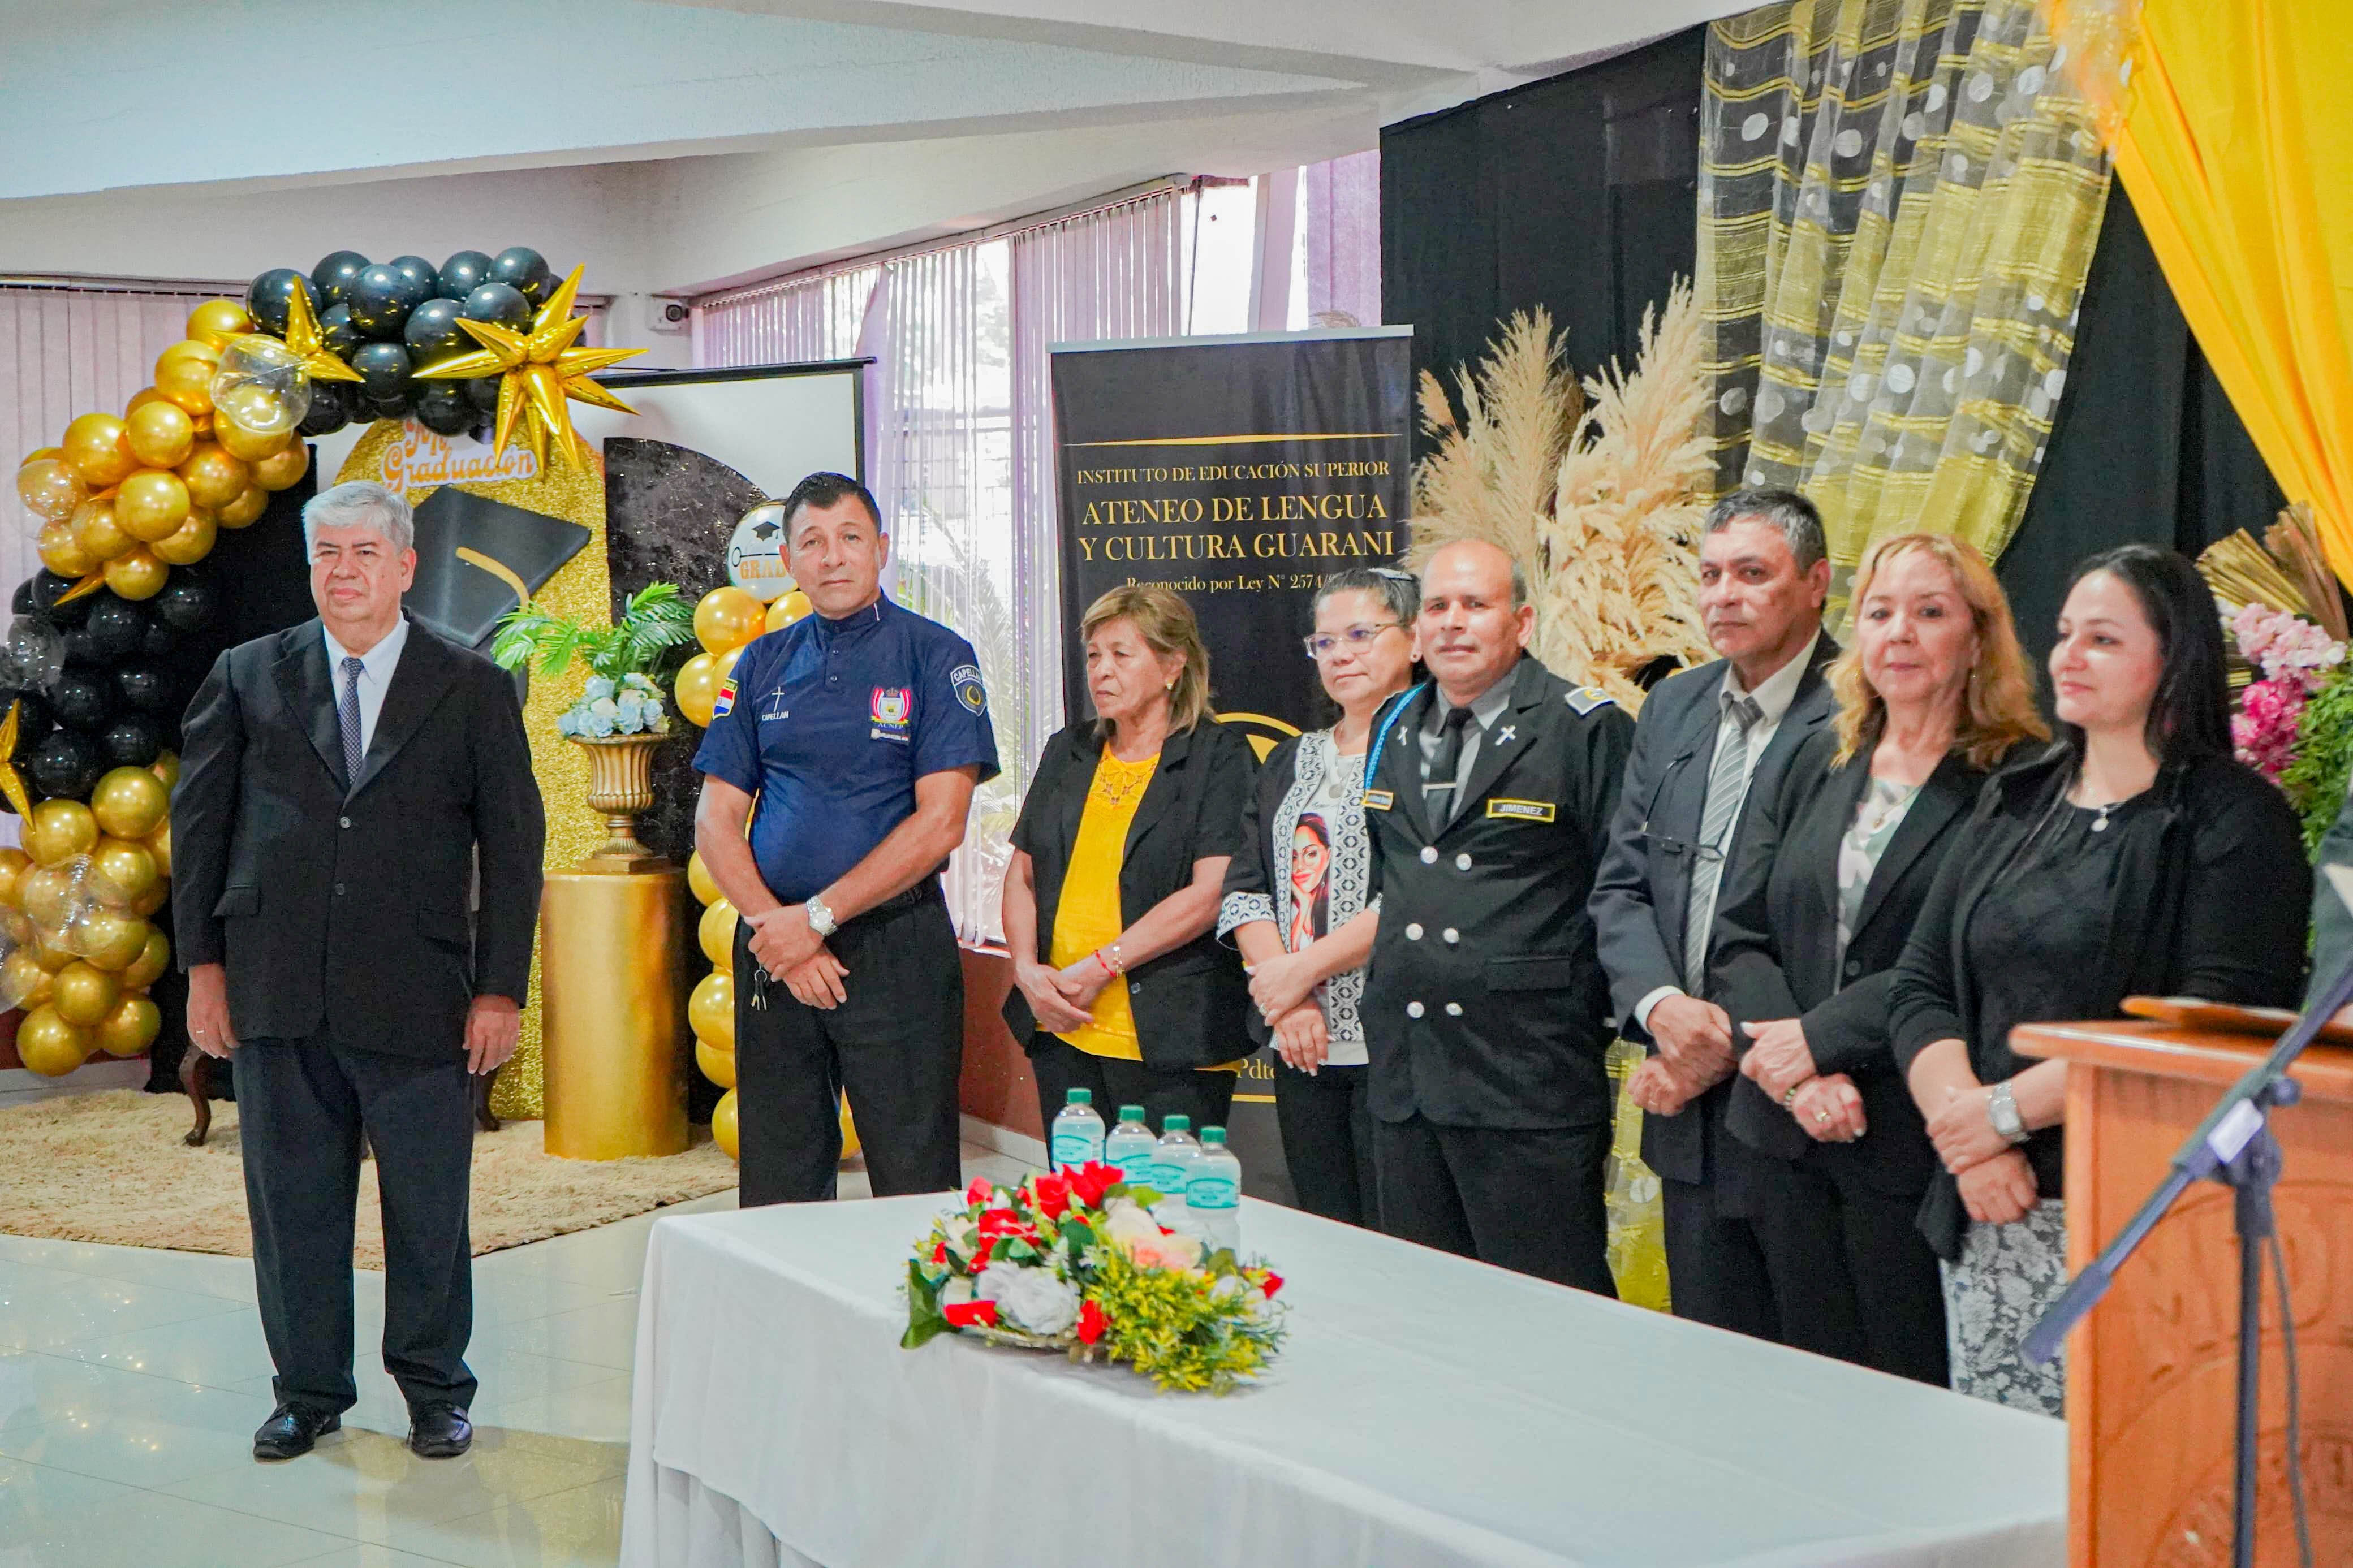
x=725 y=702
x=965 y=680
x=1584 y=700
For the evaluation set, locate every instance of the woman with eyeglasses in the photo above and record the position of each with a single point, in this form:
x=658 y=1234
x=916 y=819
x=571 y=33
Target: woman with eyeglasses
x=1296 y=896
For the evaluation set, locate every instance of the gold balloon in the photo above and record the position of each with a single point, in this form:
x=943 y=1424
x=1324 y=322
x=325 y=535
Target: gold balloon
x=789 y=607
x=95 y=446
x=57 y=831
x=717 y=1066
x=51 y=1047
x=51 y=487
x=260 y=385
x=159 y=843
x=149 y=966
x=244 y=445
x=696 y=689
x=110 y=940
x=145 y=396
x=61 y=551
x=188 y=348
x=849 y=1130
x=716 y=932
x=188 y=379
x=23 y=982
x=190 y=542
x=43 y=893
x=711 y=1010
x=728 y=618
x=127 y=865
x=214 y=477
x=723 y=1120
x=250 y=503
x=52 y=956
x=698 y=881
x=38 y=453
x=215 y=321
x=160 y=434
x=145 y=905
x=129 y=802
x=137 y=575
x=100 y=531
x=151 y=504
x=14 y=864
x=167 y=768
x=283 y=471
x=84 y=994
x=131 y=1028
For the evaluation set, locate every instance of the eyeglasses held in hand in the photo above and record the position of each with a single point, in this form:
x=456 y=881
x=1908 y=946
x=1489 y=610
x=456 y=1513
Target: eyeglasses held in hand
x=1355 y=639
x=1701 y=854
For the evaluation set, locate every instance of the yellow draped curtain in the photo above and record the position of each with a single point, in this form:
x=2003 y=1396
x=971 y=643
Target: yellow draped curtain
x=2230 y=123
x=1898 y=203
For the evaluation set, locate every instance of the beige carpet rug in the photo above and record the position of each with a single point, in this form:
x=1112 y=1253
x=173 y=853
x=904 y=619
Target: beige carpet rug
x=110 y=1167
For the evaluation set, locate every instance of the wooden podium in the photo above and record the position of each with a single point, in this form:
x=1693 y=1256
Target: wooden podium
x=2152 y=1374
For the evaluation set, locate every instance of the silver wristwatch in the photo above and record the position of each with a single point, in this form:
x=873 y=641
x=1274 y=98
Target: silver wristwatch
x=2001 y=1110
x=820 y=919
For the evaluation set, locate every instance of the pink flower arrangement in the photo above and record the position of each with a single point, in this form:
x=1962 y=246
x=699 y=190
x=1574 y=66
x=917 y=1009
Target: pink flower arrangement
x=2296 y=658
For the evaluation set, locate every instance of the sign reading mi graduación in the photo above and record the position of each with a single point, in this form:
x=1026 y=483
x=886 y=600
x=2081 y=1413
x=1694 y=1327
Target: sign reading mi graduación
x=1240 y=472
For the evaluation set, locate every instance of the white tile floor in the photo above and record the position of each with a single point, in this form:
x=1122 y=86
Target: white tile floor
x=132 y=1379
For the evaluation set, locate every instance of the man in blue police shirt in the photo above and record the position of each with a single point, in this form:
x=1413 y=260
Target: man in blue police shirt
x=862 y=729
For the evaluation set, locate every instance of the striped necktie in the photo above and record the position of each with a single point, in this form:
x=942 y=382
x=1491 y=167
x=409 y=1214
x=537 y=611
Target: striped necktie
x=347 y=714
x=1727 y=786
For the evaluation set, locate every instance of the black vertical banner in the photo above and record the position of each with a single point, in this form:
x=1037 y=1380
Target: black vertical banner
x=1240 y=472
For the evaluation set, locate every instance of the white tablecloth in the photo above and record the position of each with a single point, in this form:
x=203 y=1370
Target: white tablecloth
x=1429 y=1413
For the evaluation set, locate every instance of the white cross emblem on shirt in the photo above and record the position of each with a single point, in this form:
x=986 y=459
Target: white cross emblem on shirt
x=1504 y=736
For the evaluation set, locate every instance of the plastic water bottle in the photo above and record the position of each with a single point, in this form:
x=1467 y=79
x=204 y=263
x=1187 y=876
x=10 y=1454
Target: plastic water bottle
x=1078 y=1135
x=1213 y=1192
x=1172 y=1165
x=1130 y=1146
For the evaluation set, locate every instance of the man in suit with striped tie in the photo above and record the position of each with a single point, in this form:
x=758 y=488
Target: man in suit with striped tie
x=341 y=782
x=1709 y=739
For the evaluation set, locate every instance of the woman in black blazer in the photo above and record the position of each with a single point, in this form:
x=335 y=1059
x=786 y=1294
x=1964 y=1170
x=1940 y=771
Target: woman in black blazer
x=1933 y=692
x=1120 y=986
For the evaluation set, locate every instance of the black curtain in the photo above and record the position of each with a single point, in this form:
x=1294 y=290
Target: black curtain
x=1577 y=194
x=2145 y=447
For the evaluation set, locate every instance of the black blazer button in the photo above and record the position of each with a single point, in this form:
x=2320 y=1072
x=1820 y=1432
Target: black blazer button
x=1853 y=967
x=343 y=822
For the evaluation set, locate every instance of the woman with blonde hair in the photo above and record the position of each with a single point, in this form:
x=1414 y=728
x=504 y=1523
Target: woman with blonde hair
x=1934 y=692
x=1120 y=986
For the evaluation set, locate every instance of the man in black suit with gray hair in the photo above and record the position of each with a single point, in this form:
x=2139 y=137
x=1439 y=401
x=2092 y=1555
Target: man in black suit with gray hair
x=342 y=784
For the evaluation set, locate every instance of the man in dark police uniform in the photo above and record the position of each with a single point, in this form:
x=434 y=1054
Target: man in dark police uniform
x=862 y=729
x=1485 y=1009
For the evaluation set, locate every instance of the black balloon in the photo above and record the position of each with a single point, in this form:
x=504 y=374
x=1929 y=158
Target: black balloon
x=424 y=283
x=384 y=408
x=463 y=273
x=499 y=302
x=432 y=333
x=47 y=589
x=443 y=407
x=114 y=628
x=79 y=648
x=483 y=392
x=144 y=686
x=159 y=641
x=525 y=269
x=33 y=718
x=133 y=740
x=384 y=371
x=187 y=603
x=331 y=408
x=335 y=330
x=66 y=765
x=379 y=301
x=271 y=296
x=332 y=279
x=21 y=603
x=82 y=698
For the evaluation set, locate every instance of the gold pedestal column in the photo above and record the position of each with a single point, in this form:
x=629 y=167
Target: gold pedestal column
x=613 y=1000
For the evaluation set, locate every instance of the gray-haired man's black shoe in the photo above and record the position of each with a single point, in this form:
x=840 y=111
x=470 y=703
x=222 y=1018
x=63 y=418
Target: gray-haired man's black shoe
x=440 y=1431
x=291 y=1431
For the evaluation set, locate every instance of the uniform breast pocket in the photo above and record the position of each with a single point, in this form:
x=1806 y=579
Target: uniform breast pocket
x=1531 y=972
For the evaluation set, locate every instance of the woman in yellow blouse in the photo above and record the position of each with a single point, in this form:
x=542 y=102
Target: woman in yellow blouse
x=1110 y=900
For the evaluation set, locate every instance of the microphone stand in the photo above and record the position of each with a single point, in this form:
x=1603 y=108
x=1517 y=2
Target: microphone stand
x=2235 y=1147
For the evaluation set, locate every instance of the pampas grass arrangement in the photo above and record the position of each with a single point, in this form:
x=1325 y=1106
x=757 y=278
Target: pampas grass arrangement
x=1598 y=492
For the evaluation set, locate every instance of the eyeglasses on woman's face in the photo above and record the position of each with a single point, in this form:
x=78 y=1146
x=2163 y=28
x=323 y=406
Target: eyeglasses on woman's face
x=1355 y=639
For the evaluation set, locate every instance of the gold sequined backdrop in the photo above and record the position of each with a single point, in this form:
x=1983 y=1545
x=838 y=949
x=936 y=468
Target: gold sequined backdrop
x=581 y=590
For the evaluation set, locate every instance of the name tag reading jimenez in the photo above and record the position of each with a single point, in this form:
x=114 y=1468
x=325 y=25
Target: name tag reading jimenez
x=1379 y=800
x=1521 y=810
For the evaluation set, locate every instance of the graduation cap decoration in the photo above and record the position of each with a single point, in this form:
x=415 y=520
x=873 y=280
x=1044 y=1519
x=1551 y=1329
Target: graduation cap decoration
x=478 y=558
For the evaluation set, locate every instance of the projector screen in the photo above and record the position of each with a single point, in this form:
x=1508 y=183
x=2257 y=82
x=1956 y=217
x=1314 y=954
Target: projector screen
x=772 y=423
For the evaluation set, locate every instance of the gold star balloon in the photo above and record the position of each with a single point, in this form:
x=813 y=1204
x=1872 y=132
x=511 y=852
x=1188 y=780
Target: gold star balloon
x=12 y=783
x=83 y=589
x=302 y=336
x=538 y=371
